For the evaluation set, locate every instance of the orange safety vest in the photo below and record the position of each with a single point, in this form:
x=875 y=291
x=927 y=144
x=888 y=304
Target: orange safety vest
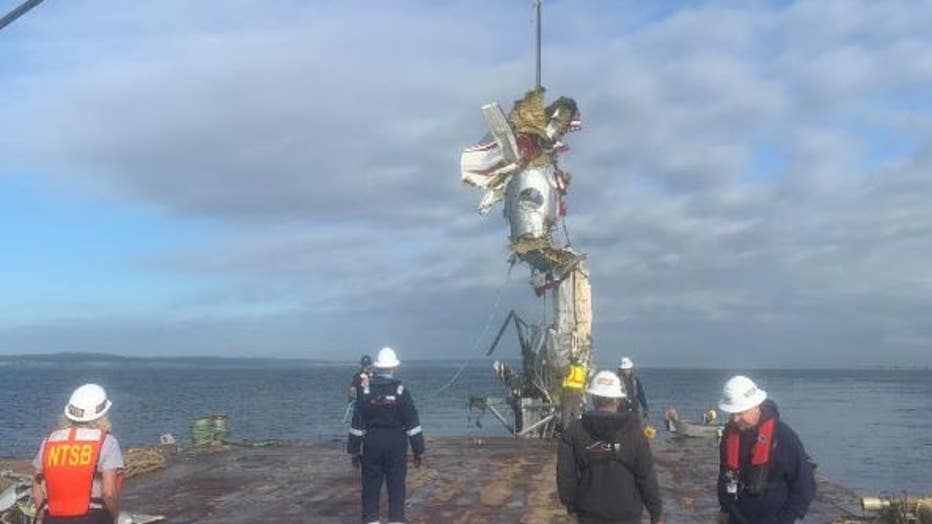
x=69 y=463
x=576 y=377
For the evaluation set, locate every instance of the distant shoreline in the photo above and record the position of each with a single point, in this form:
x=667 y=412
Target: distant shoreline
x=80 y=358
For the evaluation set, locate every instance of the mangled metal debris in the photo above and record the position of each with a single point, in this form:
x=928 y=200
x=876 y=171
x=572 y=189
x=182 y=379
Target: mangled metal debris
x=517 y=164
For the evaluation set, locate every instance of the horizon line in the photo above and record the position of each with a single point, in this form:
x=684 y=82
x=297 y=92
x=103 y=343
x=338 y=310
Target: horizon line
x=92 y=355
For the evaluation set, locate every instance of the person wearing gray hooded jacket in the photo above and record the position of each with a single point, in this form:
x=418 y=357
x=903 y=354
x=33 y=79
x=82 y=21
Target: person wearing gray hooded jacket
x=605 y=470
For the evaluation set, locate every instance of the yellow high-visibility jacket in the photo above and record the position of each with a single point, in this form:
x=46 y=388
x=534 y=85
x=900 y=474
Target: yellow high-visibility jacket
x=575 y=377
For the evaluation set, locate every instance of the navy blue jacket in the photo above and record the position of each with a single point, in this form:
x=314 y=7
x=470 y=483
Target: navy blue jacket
x=635 y=390
x=385 y=404
x=790 y=480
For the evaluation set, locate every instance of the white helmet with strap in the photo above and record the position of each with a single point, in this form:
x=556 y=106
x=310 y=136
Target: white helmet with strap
x=88 y=403
x=606 y=384
x=740 y=394
x=387 y=359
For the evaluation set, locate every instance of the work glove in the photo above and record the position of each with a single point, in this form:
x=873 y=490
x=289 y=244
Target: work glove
x=357 y=461
x=417 y=461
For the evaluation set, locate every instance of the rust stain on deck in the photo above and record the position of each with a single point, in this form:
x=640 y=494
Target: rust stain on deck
x=503 y=480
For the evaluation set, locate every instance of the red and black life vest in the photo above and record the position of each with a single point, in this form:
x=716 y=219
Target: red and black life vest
x=761 y=452
x=69 y=464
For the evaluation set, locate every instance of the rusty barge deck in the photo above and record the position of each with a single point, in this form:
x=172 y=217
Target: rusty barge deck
x=463 y=480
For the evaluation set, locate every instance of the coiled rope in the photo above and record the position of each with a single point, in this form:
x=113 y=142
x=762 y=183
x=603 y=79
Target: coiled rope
x=142 y=460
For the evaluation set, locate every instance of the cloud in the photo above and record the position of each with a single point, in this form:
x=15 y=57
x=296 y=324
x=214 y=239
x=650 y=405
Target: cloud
x=327 y=140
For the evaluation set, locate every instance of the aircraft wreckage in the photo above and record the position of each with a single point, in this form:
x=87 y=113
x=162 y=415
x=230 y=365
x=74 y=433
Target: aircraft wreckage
x=517 y=164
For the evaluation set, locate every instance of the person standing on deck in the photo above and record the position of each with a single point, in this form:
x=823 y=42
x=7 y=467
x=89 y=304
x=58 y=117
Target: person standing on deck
x=764 y=473
x=637 y=398
x=571 y=396
x=361 y=378
x=605 y=470
x=79 y=467
x=385 y=421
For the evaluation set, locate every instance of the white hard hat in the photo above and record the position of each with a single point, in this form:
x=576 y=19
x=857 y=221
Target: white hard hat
x=740 y=394
x=386 y=359
x=606 y=384
x=89 y=402
x=626 y=363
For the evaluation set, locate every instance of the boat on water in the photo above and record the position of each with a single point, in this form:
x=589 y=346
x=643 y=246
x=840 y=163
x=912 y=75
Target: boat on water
x=707 y=428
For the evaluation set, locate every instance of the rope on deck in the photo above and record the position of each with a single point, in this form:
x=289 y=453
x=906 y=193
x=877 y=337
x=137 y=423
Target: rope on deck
x=142 y=460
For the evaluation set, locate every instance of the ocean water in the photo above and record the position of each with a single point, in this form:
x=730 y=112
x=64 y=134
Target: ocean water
x=869 y=430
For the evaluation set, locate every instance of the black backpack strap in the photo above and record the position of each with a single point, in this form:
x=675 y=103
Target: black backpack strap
x=606 y=456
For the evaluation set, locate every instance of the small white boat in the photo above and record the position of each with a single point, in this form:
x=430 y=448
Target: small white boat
x=708 y=428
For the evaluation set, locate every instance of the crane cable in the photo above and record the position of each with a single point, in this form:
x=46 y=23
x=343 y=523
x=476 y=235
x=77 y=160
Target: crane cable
x=482 y=334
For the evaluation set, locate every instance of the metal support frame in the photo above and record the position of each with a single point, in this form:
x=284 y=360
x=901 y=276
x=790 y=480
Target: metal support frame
x=492 y=405
x=520 y=327
x=501 y=419
x=536 y=425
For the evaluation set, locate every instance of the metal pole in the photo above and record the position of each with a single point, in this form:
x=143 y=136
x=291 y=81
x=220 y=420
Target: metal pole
x=18 y=12
x=501 y=419
x=535 y=425
x=537 y=8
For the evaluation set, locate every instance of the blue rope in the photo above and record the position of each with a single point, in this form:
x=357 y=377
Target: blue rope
x=485 y=330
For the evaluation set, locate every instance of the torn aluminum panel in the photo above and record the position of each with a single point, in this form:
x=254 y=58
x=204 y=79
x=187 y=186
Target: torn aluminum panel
x=499 y=127
x=532 y=203
x=484 y=165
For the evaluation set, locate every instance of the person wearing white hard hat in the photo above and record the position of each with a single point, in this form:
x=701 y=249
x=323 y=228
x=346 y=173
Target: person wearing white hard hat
x=385 y=422
x=637 y=397
x=765 y=474
x=79 y=466
x=605 y=469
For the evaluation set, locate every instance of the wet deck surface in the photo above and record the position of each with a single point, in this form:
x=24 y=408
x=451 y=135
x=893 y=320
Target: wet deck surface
x=500 y=480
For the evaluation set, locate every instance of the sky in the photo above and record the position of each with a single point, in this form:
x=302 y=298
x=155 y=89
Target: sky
x=281 y=178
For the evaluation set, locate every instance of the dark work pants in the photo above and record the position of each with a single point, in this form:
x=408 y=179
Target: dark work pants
x=570 y=405
x=384 y=456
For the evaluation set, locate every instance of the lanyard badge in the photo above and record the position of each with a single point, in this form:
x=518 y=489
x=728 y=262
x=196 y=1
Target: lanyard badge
x=731 y=483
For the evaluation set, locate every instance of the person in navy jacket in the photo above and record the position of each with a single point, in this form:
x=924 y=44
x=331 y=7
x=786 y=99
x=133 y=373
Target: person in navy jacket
x=385 y=422
x=765 y=475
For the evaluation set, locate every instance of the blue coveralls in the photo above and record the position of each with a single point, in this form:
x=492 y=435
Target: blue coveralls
x=384 y=421
x=636 y=394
